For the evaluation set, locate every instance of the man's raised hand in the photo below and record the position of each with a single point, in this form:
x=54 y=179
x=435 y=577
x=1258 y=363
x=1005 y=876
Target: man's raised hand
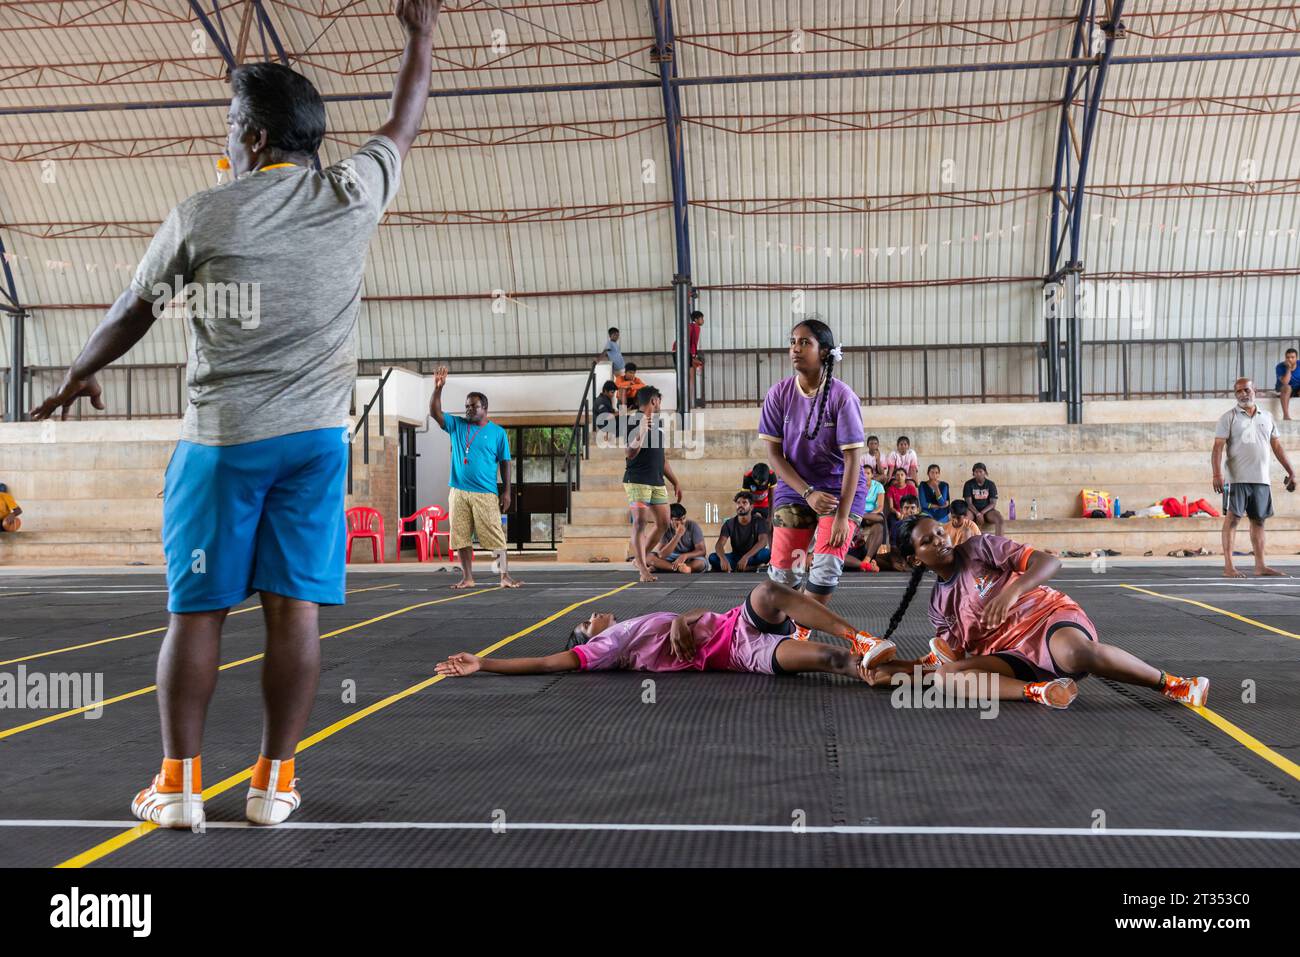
x=417 y=17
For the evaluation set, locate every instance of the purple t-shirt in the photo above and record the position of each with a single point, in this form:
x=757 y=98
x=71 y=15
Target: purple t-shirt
x=642 y=644
x=821 y=460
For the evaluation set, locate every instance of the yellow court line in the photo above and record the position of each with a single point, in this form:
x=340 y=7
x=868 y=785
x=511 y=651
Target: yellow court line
x=1254 y=744
x=59 y=716
x=1221 y=611
x=156 y=631
x=105 y=848
x=1219 y=721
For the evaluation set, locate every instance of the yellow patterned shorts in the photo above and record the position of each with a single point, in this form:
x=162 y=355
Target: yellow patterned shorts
x=639 y=495
x=475 y=512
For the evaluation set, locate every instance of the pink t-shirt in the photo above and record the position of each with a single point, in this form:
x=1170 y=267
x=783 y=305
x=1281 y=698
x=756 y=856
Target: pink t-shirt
x=907 y=462
x=641 y=644
x=985 y=565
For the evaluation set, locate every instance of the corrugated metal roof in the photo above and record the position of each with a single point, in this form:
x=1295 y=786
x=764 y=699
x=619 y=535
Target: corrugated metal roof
x=940 y=182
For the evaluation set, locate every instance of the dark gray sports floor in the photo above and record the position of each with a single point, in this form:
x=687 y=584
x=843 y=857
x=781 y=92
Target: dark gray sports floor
x=719 y=769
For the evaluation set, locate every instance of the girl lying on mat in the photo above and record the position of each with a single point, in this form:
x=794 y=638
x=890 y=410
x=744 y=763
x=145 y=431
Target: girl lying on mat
x=994 y=613
x=754 y=636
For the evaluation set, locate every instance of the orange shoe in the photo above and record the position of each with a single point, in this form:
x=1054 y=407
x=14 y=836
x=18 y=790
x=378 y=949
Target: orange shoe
x=175 y=797
x=941 y=651
x=269 y=803
x=1192 y=691
x=801 y=633
x=1055 y=694
x=874 y=651
x=930 y=663
x=871 y=567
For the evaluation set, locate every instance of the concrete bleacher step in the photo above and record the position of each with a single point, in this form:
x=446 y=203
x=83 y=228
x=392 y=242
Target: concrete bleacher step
x=87 y=459
x=72 y=547
x=88 y=515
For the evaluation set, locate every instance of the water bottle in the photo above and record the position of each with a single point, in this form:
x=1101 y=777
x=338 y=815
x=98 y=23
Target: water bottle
x=1117 y=513
x=1012 y=511
x=1033 y=510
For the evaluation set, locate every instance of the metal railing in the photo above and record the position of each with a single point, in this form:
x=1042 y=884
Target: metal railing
x=552 y=362
x=882 y=375
x=1113 y=368
x=1006 y=371
x=363 y=426
x=138 y=391
x=579 y=443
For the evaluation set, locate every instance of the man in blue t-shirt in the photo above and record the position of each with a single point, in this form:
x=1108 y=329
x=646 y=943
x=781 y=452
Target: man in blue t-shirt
x=478 y=449
x=613 y=352
x=1288 y=381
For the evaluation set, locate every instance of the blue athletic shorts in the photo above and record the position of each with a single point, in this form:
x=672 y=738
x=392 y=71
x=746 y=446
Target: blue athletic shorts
x=261 y=516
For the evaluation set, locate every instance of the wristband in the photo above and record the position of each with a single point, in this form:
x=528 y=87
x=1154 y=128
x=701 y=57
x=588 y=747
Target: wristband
x=807 y=492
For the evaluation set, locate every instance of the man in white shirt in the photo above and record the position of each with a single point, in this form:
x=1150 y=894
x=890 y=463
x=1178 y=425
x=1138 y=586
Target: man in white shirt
x=1248 y=433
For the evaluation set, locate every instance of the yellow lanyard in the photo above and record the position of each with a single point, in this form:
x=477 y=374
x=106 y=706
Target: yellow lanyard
x=275 y=166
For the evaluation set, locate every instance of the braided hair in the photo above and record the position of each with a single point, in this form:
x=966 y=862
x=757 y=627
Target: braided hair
x=826 y=342
x=903 y=540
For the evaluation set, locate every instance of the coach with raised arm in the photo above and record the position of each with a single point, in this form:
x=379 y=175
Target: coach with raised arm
x=254 y=495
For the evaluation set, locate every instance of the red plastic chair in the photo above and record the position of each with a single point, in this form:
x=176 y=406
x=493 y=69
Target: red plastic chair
x=438 y=514
x=423 y=527
x=360 y=520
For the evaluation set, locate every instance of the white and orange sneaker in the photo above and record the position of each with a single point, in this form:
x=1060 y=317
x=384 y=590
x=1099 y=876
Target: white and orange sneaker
x=1192 y=691
x=175 y=797
x=942 y=651
x=1054 y=694
x=801 y=633
x=874 y=651
x=269 y=803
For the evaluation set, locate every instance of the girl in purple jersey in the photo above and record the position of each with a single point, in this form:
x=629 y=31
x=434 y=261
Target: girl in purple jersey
x=812 y=423
x=993 y=612
x=753 y=637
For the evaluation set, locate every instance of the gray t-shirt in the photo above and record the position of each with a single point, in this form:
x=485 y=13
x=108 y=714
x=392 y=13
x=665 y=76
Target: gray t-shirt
x=692 y=538
x=615 y=355
x=1249 y=445
x=271 y=268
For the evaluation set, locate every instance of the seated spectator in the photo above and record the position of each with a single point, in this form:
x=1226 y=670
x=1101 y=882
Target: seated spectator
x=1288 y=381
x=628 y=385
x=895 y=492
x=682 y=547
x=604 y=413
x=982 y=496
x=961 y=528
x=904 y=457
x=910 y=506
x=742 y=545
x=934 y=496
x=871 y=457
x=869 y=536
x=9 y=511
x=613 y=352
x=759 y=482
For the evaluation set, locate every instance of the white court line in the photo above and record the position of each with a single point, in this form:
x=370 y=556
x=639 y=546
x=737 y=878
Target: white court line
x=115 y=591
x=845 y=829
